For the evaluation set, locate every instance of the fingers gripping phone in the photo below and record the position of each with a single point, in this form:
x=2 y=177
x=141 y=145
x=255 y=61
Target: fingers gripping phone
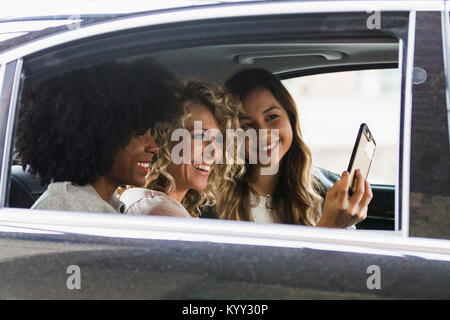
x=362 y=155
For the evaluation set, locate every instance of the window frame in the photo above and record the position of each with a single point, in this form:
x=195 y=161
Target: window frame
x=445 y=24
x=215 y=12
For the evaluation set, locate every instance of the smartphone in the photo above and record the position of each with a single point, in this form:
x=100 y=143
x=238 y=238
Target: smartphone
x=362 y=155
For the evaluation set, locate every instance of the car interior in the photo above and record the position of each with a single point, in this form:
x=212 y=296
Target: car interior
x=215 y=57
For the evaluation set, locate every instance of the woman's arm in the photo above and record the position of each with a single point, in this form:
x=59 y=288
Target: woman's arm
x=149 y=202
x=342 y=210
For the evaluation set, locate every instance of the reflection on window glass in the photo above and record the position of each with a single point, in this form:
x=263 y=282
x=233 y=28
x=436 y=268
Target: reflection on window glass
x=333 y=106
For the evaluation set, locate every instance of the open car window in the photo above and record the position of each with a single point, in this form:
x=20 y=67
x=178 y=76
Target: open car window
x=333 y=106
x=285 y=49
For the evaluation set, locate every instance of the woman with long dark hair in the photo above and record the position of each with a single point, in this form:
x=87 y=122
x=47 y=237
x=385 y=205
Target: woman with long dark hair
x=292 y=194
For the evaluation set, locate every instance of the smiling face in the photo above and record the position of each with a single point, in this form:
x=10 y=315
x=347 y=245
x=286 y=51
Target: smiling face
x=132 y=162
x=193 y=175
x=263 y=111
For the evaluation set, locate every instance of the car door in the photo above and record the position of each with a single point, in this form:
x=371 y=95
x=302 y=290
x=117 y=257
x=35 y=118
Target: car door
x=56 y=255
x=430 y=156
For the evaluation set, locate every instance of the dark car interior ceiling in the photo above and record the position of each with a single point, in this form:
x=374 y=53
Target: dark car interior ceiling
x=213 y=49
x=218 y=62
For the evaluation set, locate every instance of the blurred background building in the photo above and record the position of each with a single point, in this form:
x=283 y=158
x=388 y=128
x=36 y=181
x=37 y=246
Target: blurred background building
x=333 y=106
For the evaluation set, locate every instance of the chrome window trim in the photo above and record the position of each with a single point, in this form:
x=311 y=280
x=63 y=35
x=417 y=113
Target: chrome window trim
x=231 y=232
x=397 y=215
x=215 y=12
x=7 y=147
x=407 y=123
x=445 y=24
x=2 y=77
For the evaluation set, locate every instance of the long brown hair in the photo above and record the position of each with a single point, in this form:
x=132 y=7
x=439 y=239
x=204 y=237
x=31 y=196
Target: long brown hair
x=296 y=199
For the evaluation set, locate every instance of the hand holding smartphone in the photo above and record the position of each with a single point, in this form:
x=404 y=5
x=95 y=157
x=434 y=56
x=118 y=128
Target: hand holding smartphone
x=355 y=207
x=362 y=155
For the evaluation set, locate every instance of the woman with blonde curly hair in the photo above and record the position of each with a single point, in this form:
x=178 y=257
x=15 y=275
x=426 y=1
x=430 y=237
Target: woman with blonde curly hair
x=291 y=194
x=183 y=176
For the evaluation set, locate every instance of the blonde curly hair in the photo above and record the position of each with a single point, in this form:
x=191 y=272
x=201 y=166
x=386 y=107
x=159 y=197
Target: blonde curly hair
x=226 y=110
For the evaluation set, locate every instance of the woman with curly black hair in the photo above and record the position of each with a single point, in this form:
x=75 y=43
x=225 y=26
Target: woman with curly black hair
x=88 y=131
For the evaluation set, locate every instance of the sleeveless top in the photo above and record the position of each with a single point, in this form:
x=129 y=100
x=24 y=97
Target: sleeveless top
x=260 y=209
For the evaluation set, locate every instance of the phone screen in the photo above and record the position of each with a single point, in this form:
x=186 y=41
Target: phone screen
x=362 y=154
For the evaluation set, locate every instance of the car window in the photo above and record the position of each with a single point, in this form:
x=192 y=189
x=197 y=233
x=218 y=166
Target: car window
x=332 y=106
x=213 y=59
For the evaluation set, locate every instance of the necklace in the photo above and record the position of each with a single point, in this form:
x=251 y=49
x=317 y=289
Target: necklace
x=268 y=199
x=269 y=202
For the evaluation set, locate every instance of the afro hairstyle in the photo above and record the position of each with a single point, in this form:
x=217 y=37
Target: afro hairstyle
x=70 y=127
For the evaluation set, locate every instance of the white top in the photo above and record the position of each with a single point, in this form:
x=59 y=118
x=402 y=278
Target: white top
x=67 y=196
x=151 y=202
x=261 y=212
x=260 y=209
